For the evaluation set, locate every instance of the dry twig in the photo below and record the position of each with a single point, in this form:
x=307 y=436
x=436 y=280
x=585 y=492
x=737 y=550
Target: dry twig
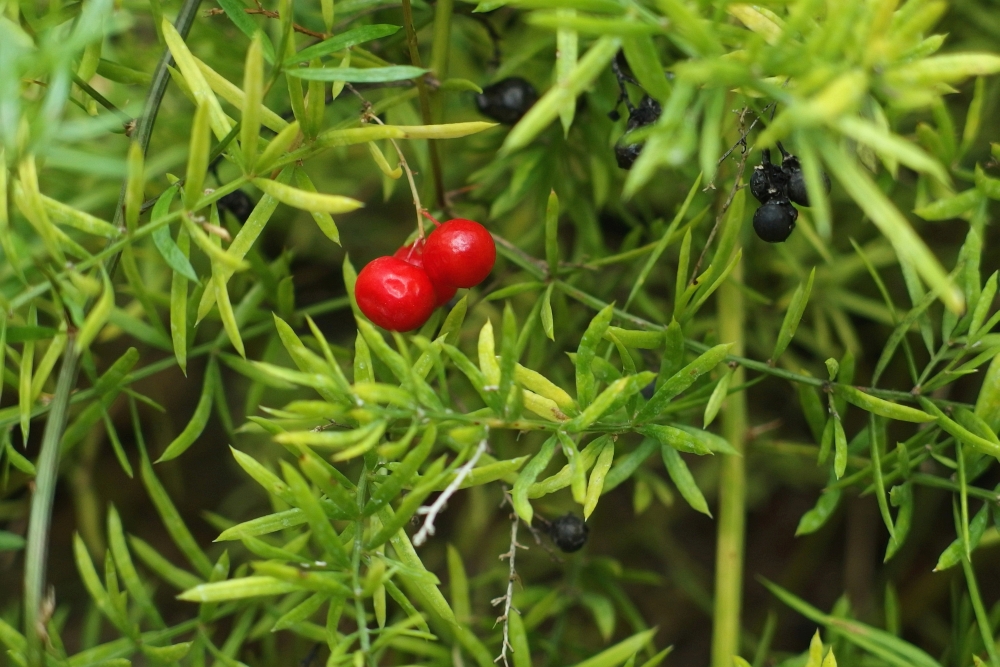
x=431 y=512
x=507 y=598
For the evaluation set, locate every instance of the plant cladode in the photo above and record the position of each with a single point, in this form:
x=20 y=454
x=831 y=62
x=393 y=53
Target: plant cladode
x=395 y=294
x=460 y=252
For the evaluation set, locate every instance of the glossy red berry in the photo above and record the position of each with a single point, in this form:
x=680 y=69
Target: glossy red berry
x=414 y=254
x=395 y=294
x=460 y=253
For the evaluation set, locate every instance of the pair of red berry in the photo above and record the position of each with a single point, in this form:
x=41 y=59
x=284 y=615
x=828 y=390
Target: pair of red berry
x=399 y=293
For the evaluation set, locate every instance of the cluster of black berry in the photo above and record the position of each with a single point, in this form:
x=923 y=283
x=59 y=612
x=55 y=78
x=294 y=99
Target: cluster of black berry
x=647 y=113
x=776 y=187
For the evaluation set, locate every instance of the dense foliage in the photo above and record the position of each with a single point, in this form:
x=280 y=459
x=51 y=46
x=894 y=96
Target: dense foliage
x=209 y=454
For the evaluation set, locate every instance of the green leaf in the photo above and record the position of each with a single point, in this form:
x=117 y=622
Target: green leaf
x=817 y=517
x=839 y=448
x=234 y=10
x=237 y=589
x=547 y=108
x=342 y=41
x=891 y=223
x=683 y=479
x=620 y=652
x=595 y=486
x=793 y=316
x=10 y=541
x=955 y=552
x=199 y=420
x=175 y=258
x=586 y=385
x=357 y=75
x=681 y=381
x=527 y=477
x=880 y=406
x=879 y=643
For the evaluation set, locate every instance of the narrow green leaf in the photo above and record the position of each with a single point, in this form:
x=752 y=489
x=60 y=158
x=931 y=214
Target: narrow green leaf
x=681 y=475
x=343 y=41
x=199 y=420
x=793 y=316
x=527 y=477
x=595 y=486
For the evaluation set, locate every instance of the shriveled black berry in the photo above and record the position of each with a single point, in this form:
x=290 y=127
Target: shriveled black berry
x=507 y=100
x=767 y=180
x=627 y=154
x=569 y=532
x=796 y=187
x=775 y=220
x=238 y=203
x=647 y=113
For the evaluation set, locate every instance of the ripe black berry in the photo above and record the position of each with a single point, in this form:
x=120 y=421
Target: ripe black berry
x=647 y=113
x=767 y=180
x=238 y=203
x=775 y=220
x=507 y=100
x=569 y=532
x=796 y=181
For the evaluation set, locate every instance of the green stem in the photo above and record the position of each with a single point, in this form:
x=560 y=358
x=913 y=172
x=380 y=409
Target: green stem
x=425 y=102
x=732 y=488
x=751 y=364
x=47 y=468
x=982 y=618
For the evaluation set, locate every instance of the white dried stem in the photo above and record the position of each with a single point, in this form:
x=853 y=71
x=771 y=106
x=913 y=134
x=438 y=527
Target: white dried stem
x=508 y=598
x=432 y=511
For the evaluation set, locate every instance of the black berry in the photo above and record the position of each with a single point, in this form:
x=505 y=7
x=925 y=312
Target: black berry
x=507 y=100
x=238 y=203
x=569 y=533
x=647 y=113
x=796 y=181
x=648 y=391
x=767 y=180
x=775 y=220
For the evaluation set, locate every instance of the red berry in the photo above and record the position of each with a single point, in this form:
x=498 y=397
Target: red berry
x=459 y=252
x=394 y=294
x=414 y=254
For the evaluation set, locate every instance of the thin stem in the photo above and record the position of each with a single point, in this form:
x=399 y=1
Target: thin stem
x=732 y=487
x=47 y=469
x=432 y=512
x=507 y=598
x=982 y=618
x=425 y=103
x=359 y=604
x=36 y=552
x=369 y=116
x=751 y=364
x=103 y=101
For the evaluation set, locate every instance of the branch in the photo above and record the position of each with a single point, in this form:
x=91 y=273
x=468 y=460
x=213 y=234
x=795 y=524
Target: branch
x=508 y=598
x=431 y=512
